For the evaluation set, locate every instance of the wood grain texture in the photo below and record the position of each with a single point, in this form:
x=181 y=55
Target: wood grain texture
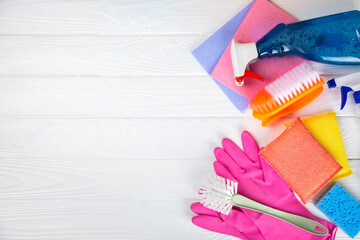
x=98 y=56
x=74 y=199
x=132 y=97
x=153 y=139
x=114 y=17
x=129 y=180
x=108 y=124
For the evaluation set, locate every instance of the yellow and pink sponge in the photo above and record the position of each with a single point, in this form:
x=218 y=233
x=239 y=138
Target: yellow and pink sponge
x=325 y=129
x=301 y=161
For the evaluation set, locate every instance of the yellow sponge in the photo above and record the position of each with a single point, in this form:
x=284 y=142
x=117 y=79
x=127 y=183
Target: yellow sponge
x=325 y=129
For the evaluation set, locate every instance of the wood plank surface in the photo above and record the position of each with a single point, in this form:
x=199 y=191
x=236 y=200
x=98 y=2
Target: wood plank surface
x=133 y=97
x=109 y=199
x=98 y=56
x=121 y=17
x=108 y=124
x=153 y=139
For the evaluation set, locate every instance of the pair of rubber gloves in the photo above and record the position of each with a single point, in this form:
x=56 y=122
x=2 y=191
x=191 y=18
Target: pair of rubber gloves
x=260 y=182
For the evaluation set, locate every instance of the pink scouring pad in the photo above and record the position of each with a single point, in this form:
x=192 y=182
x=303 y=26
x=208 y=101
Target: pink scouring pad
x=301 y=161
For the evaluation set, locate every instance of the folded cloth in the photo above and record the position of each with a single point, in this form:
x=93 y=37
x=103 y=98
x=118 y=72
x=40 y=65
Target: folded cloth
x=209 y=52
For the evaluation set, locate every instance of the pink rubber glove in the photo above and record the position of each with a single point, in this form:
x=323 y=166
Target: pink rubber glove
x=259 y=181
x=235 y=224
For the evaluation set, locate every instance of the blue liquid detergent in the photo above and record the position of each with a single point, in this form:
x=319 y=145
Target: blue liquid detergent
x=331 y=39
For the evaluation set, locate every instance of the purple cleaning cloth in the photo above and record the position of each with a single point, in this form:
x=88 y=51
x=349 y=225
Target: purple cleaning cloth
x=210 y=51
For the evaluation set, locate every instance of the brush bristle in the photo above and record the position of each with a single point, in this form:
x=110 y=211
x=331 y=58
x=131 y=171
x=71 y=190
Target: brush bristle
x=217 y=195
x=285 y=88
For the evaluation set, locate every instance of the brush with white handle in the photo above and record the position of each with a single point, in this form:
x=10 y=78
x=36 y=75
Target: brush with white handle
x=221 y=195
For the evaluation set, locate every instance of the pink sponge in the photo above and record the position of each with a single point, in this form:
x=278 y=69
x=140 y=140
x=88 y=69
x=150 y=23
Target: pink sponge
x=301 y=161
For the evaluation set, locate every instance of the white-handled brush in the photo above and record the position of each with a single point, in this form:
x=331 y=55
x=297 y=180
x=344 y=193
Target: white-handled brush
x=221 y=195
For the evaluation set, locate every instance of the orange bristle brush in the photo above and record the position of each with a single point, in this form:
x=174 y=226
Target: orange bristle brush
x=290 y=92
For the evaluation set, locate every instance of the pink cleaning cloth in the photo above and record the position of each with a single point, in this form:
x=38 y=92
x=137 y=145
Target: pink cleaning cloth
x=301 y=161
x=261 y=18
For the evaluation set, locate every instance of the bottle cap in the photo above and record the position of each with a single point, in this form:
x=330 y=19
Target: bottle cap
x=357 y=97
x=331 y=83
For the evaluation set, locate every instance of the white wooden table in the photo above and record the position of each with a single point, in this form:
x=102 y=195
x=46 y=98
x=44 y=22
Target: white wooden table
x=108 y=123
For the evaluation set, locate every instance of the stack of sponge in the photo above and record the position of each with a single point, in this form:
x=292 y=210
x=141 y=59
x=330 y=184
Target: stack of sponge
x=309 y=154
x=325 y=129
x=301 y=161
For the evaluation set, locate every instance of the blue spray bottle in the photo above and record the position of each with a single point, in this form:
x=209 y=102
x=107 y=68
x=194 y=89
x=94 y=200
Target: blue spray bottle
x=331 y=39
x=346 y=84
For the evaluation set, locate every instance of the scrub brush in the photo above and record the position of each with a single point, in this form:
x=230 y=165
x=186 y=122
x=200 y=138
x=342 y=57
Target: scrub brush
x=221 y=195
x=290 y=92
